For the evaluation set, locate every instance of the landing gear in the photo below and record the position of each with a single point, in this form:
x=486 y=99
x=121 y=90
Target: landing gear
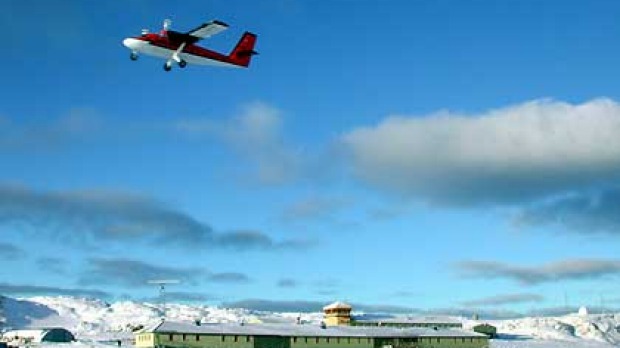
x=133 y=55
x=168 y=66
x=182 y=63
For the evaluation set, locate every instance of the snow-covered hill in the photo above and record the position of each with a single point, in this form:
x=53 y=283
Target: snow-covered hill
x=595 y=330
x=95 y=319
x=88 y=318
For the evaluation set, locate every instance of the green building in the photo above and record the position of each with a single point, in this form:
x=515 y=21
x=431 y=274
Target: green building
x=187 y=335
x=409 y=321
x=487 y=329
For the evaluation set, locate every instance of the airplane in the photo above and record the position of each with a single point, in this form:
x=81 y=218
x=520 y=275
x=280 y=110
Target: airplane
x=181 y=48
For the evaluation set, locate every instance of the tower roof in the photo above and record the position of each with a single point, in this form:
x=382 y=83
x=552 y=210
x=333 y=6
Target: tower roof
x=337 y=305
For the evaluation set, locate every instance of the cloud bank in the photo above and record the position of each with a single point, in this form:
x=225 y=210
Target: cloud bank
x=574 y=269
x=287 y=283
x=10 y=252
x=315 y=208
x=507 y=299
x=35 y=290
x=109 y=216
x=510 y=155
x=585 y=213
x=182 y=296
x=78 y=124
x=134 y=273
x=229 y=277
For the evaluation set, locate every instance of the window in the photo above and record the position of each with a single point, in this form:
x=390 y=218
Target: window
x=223 y=338
x=236 y=338
x=197 y=337
x=170 y=337
x=184 y=337
x=294 y=339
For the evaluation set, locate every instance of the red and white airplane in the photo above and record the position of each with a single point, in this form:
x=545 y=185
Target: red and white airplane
x=182 y=49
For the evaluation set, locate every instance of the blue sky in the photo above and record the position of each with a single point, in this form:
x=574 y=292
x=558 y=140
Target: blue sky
x=414 y=155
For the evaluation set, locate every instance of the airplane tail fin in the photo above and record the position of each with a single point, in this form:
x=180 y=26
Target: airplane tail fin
x=244 y=50
x=165 y=27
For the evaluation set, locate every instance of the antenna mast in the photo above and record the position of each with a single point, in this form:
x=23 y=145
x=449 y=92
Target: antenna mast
x=161 y=283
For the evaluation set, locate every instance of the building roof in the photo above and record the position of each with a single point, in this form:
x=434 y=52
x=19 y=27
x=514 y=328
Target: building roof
x=406 y=319
x=337 y=305
x=308 y=330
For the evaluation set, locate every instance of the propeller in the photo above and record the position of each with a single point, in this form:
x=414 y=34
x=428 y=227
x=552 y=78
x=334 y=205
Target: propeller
x=167 y=24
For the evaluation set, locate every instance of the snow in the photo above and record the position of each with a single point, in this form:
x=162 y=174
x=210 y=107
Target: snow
x=534 y=343
x=95 y=322
x=574 y=330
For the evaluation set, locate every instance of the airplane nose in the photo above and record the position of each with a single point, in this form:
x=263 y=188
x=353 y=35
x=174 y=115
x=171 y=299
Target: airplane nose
x=130 y=43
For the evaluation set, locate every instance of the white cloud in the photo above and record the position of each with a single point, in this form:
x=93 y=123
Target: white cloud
x=78 y=124
x=256 y=134
x=570 y=269
x=513 y=154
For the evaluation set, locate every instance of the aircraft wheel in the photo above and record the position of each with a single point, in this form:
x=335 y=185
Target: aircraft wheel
x=182 y=64
x=133 y=56
x=167 y=66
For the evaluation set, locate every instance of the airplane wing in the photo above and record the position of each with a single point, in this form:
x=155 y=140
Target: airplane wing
x=208 y=29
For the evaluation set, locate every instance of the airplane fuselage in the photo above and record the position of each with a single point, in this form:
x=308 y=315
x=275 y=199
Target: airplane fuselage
x=164 y=47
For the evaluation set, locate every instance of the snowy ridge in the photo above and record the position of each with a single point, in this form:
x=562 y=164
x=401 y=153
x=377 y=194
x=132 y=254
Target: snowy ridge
x=91 y=319
x=604 y=328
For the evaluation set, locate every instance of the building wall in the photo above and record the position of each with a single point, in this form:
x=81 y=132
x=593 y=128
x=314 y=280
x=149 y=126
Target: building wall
x=201 y=341
x=145 y=340
x=331 y=342
x=336 y=320
x=272 y=342
x=452 y=342
x=237 y=341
